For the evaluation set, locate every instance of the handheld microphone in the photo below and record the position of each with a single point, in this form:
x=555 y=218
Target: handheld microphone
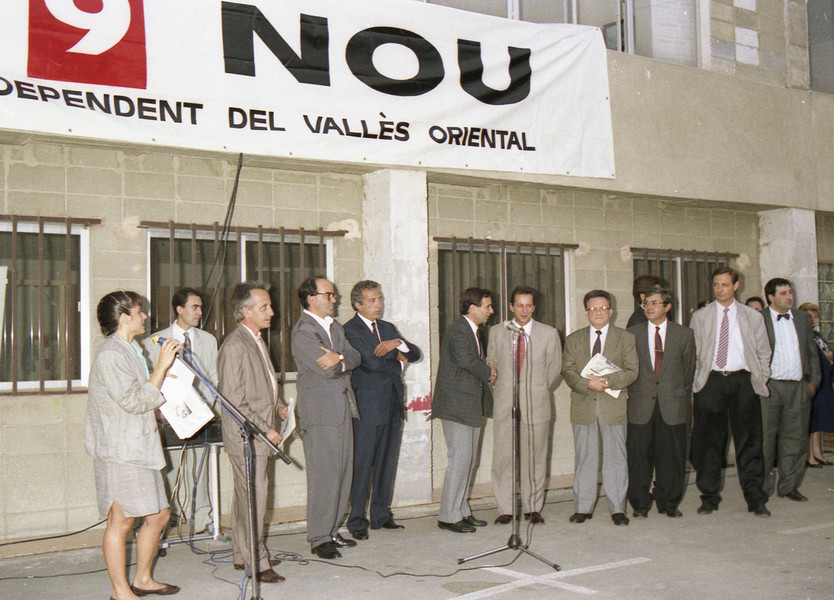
x=158 y=339
x=512 y=327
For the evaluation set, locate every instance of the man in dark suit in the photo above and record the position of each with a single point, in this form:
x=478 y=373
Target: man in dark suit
x=659 y=403
x=326 y=407
x=598 y=408
x=794 y=378
x=461 y=400
x=378 y=385
x=732 y=365
x=247 y=380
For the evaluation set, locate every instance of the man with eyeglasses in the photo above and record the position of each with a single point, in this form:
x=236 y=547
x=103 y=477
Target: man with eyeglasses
x=659 y=403
x=326 y=409
x=732 y=365
x=598 y=408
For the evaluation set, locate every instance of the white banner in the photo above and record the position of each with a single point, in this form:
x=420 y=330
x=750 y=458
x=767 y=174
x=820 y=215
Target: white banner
x=383 y=82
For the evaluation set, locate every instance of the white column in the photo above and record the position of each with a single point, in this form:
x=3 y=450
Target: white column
x=395 y=225
x=788 y=248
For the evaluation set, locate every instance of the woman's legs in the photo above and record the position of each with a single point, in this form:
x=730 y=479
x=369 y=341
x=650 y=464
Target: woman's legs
x=113 y=547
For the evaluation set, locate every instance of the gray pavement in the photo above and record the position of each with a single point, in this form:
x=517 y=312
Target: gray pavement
x=727 y=555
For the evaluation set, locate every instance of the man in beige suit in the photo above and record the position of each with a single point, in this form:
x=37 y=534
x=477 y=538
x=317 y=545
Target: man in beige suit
x=540 y=360
x=594 y=410
x=247 y=380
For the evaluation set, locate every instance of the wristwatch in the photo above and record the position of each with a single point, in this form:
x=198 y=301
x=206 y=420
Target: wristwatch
x=341 y=358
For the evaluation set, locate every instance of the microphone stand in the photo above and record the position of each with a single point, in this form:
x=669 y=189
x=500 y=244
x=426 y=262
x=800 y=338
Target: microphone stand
x=248 y=430
x=514 y=542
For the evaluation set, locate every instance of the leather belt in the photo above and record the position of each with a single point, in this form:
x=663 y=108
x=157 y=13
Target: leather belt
x=729 y=373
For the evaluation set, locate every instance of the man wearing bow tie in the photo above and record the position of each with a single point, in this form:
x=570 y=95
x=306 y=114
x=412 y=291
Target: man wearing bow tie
x=794 y=377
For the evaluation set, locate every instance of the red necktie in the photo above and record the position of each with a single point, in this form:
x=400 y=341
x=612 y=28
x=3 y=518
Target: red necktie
x=374 y=331
x=521 y=352
x=658 y=352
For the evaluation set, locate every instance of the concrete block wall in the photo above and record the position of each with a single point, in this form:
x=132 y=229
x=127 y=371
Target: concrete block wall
x=48 y=484
x=765 y=41
x=604 y=226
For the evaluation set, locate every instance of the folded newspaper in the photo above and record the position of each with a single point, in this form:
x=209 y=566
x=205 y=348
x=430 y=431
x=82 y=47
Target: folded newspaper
x=288 y=424
x=184 y=408
x=601 y=366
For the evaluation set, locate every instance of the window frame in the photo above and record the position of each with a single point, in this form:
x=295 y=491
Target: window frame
x=55 y=226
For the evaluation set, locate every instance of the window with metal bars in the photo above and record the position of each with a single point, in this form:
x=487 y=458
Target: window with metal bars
x=500 y=266
x=207 y=258
x=44 y=342
x=687 y=273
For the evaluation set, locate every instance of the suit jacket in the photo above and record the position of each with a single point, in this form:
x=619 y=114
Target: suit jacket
x=461 y=390
x=120 y=425
x=377 y=382
x=753 y=336
x=204 y=349
x=539 y=372
x=673 y=389
x=808 y=353
x=619 y=349
x=322 y=393
x=246 y=383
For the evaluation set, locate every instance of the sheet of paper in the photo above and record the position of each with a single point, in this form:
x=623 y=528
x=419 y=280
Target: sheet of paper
x=184 y=407
x=288 y=425
x=601 y=366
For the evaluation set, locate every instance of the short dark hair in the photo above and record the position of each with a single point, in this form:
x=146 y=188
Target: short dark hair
x=520 y=290
x=309 y=287
x=242 y=296
x=643 y=283
x=472 y=297
x=356 y=296
x=665 y=294
x=112 y=306
x=597 y=294
x=770 y=287
x=755 y=299
x=724 y=270
x=180 y=297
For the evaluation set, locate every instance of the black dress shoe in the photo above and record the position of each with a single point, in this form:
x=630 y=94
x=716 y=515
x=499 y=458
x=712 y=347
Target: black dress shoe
x=672 y=512
x=503 y=519
x=341 y=542
x=816 y=465
x=327 y=551
x=795 y=496
x=360 y=534
x=640 y=514
x=535 y=517
x=707 y=507
x=619 y=519
x=474 y=522
x=460 y=527
x=391 y=524
x=759 y=510
x=580 y=517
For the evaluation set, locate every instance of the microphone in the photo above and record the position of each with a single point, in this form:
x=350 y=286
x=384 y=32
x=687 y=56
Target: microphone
x=513 y=327
x=158 y=339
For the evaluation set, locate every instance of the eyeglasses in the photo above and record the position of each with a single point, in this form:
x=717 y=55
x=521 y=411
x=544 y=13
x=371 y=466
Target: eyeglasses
x=597 y=309
x=328 y=295
x=653 y=303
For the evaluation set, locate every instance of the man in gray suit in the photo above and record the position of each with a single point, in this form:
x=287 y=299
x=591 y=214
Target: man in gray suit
x=188 y=306
x=732 y=365
x=461 y=400
x=326 y=409
x=598 y=406
x=659 y=403
x=540 y=359
x=247 y=380
x=794 y=378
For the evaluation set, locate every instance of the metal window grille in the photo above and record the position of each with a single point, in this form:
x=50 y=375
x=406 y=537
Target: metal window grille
x=500 y=266
x=198 y=256
x=43 y=292
x=688 y=273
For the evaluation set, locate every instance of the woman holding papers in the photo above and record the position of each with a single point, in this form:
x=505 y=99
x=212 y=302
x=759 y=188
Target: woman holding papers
x=121 y=435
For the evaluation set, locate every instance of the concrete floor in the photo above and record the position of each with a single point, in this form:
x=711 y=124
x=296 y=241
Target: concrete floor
x=727 y=555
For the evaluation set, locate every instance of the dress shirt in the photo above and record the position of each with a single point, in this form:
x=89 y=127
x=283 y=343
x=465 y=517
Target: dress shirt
x=602 y=338
x=403 y=347
x=259 y=341
x=177 y=333
x=325 y=323
x=652 y=330
x=735 y=347
x=475 y=333
x=786 y=365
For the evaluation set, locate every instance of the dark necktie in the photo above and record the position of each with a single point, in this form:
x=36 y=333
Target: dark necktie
x=374 y=331
x=186 y=343
x=785 y=316
x=597 y=344
x=658 y=352
x=522 y=351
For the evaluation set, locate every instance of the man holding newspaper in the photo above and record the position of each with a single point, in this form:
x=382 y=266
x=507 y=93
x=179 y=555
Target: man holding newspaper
x=599 y=363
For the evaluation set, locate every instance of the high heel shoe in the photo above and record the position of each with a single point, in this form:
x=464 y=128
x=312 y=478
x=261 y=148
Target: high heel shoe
x=811 y=465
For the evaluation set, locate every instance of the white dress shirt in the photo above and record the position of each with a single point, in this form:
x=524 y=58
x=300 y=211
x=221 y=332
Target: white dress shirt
x=786 y=363
x=735 y=348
